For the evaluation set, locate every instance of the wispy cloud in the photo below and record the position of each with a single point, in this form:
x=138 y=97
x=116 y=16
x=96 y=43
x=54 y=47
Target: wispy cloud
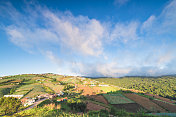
x=124 y=32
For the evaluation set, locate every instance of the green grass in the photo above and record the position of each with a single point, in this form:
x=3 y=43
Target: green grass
x=108 y=89
x=48 y=89
x=31 y=90
x=117 y=99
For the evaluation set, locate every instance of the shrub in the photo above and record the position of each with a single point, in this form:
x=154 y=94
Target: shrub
x=9 y=105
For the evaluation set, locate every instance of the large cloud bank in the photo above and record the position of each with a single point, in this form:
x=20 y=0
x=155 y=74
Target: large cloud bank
x=84 y=46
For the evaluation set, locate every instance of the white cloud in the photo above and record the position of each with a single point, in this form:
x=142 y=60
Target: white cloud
x=80 y=34
x=53 y=58
x=148 y=23
x=162 y=24
x=112 y=69
x=125 y=32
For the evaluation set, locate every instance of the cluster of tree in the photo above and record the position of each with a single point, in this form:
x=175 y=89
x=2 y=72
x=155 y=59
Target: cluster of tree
x=164 y=86
x=63 y=83
x=53 y=80
x=12 y=90
x=119 y=91
x=9 y=105
x=4 y=91
x=77 y=105
x=68 y=87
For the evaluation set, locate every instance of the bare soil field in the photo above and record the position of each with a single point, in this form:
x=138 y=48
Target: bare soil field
x=98 y=98
x=136 y=91
x=88 y=90
x=16 y=81
x=92 y=106
x=145 y=102
x=169 y=107
x=161 y=98
x=131 y=107
x=7 y=86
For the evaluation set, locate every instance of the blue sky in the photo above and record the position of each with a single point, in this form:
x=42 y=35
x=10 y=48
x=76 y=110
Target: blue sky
x=88 y=37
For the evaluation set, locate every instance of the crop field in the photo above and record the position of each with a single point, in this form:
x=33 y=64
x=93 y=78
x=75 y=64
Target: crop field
x=55 y=87
x=169 y=107
x=37 y=90
x=131 y=107
x=98 y=98
x=7 y=86
x=161 y=98
x=30 y=90
x=117 y=99
x=87 y=90
x=145 y=102
x=108 y=89
x=92 y=106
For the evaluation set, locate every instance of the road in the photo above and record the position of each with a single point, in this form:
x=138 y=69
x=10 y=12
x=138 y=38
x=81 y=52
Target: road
x=35 y=104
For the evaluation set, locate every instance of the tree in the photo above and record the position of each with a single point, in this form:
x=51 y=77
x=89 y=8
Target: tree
x=77 y=105
x=9 y=105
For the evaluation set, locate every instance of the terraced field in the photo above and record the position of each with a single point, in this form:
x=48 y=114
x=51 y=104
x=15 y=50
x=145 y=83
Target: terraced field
x=117 y=99
x=145 y=102
x=30 y=90
x=131 y=107
x=167 y=106
x=92 y=106
x=161 y=98
x=98 y=98
x=57 y=88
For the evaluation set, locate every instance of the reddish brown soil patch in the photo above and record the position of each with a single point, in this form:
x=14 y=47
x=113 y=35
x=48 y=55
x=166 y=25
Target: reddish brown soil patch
x=169 y=107
x=92 y=106
x=16 y=81
x=136 y=91
x=161 y=98
x=98 y=98
x=7 y=86
x=131 y=107
x=145 y=102
x=88 y=90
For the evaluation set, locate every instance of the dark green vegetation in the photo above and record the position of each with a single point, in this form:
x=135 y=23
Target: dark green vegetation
x=4 y=91
x=9 y=105
x=164 y=86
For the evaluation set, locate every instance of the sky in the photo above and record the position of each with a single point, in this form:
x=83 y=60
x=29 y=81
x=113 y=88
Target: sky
x=95 y=38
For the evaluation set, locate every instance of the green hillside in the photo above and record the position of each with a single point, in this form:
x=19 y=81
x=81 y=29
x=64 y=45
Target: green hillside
x=85 y=97
x=163 y=86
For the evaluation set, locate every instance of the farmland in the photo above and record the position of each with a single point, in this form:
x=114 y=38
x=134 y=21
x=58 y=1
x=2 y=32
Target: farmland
x=130 y=107
x=167 y=106
x=117 y=99
x=84 y=93
x=161 y=98
x=93 y=106
x=98 y=98
x=145 y=103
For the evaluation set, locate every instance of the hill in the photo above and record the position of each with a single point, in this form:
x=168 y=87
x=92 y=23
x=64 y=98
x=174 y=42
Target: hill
x=164 y=86
x=58 y=95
